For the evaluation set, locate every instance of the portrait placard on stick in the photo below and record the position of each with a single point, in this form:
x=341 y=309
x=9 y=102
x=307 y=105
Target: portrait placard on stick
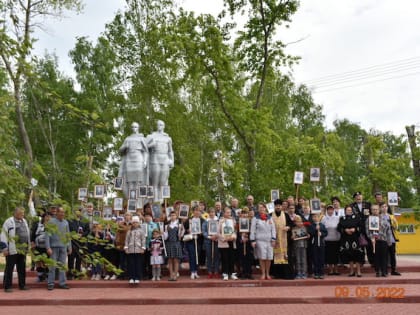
x=243 y=225
x=195 y=226
x=275 y=194
x=82 y=195
x=99 y=191
x=118 y=183
x=315 y=205
x=132 y=205
x=184 y=209
x=213 y=225
x=373 y=223
x=156 y=210
x=315 y=174
x=392 y=198
x=270 y=207
x=298 y=178
x=166 y=192
x=142 y=191
x=150 y=192
x=168 y=212
x=118 y=204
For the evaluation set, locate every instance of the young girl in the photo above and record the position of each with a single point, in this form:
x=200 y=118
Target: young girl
x=173 y=234
x=318 y=233
x=300 y=238
x=210 y=244
x=156 y=258
x=227 y=244
x=245 y=250
x=135 y=245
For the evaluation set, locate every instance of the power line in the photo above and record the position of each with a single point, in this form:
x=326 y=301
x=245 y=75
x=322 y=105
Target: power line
x=364 y=70
x=364 y=76
x=366 y=82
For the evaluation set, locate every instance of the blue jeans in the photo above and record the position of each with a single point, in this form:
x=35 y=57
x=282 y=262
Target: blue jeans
x=192 y=258
x=59 y=255
x=213 y=265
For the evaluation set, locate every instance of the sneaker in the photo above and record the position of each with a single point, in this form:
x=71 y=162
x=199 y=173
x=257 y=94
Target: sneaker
x=136 y=281
x=9 y=290
x=225 y=277
x=233 y=276
x=154 y=279
x=98 y=277
x=64 y=286
x=157 y=278
x=93 y=277
x=24 y=288
x=131 y=281
x=210 y=276
x=107 y=277
x=196 y=276
x=395 y=273
x=216 y=276
x=192 y=276
x=114 y=277
x=177 y=274
x=50 y=287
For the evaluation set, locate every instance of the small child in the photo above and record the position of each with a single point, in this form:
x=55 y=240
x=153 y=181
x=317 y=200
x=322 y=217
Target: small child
x=318 y=233
x=300 y=238
x=135 y=246
x=156 y=258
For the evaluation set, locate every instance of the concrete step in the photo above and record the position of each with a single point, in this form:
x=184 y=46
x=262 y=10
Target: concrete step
x=137 y=295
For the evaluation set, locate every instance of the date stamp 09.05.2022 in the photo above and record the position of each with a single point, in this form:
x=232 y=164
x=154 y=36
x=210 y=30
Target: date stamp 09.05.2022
x=366 y=292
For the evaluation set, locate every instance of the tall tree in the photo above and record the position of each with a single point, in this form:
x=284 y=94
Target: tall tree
x=19 y=20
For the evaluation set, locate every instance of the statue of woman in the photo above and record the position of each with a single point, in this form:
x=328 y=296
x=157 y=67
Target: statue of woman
x=135 y=158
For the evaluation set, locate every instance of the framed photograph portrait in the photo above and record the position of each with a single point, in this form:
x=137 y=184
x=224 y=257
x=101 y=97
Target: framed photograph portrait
x=243 y=225
x=132 y=194
x=107 y=213
x=213 y=226
x=373 y=223
x=270 y=207
x=140 y=203
x=118 y=183
x=227 y=228
x=184 y=210
x=275 y=194
x=150 y=192
x=132 y=205
x=99 y=191
x=299 y=234
x=195 y=226
x=168 y=211
x=392 y=198
x=118 y=204
x=156 y=210
x=315 y=205
x=142 y=191
x=166 y=192
x=298 y=178
x=315 y=174
x=194 y=203
x=82 y=194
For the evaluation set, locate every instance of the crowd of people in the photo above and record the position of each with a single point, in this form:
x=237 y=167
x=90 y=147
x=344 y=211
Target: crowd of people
x=219 y=242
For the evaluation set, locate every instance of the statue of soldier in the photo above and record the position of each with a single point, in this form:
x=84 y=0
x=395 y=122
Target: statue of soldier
x=161 y=159
x=135 y=159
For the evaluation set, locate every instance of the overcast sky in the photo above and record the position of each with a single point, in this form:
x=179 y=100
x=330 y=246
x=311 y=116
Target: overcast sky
x=361 y=58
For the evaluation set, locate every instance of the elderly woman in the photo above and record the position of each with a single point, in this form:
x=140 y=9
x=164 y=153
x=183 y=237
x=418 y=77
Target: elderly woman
x=263 y=239
x=351 y=252
x=332 y=240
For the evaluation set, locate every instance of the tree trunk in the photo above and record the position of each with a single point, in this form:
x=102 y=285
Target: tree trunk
x=414 y=155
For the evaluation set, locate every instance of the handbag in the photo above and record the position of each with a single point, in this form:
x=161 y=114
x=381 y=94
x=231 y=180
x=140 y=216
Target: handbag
x=362 y=241
x=187 y=237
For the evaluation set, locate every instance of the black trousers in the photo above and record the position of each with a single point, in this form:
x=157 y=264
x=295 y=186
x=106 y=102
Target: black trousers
x=228 y=259
x=381 y=257
x=20 y=262
x=74 y=261
x=392 y=257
